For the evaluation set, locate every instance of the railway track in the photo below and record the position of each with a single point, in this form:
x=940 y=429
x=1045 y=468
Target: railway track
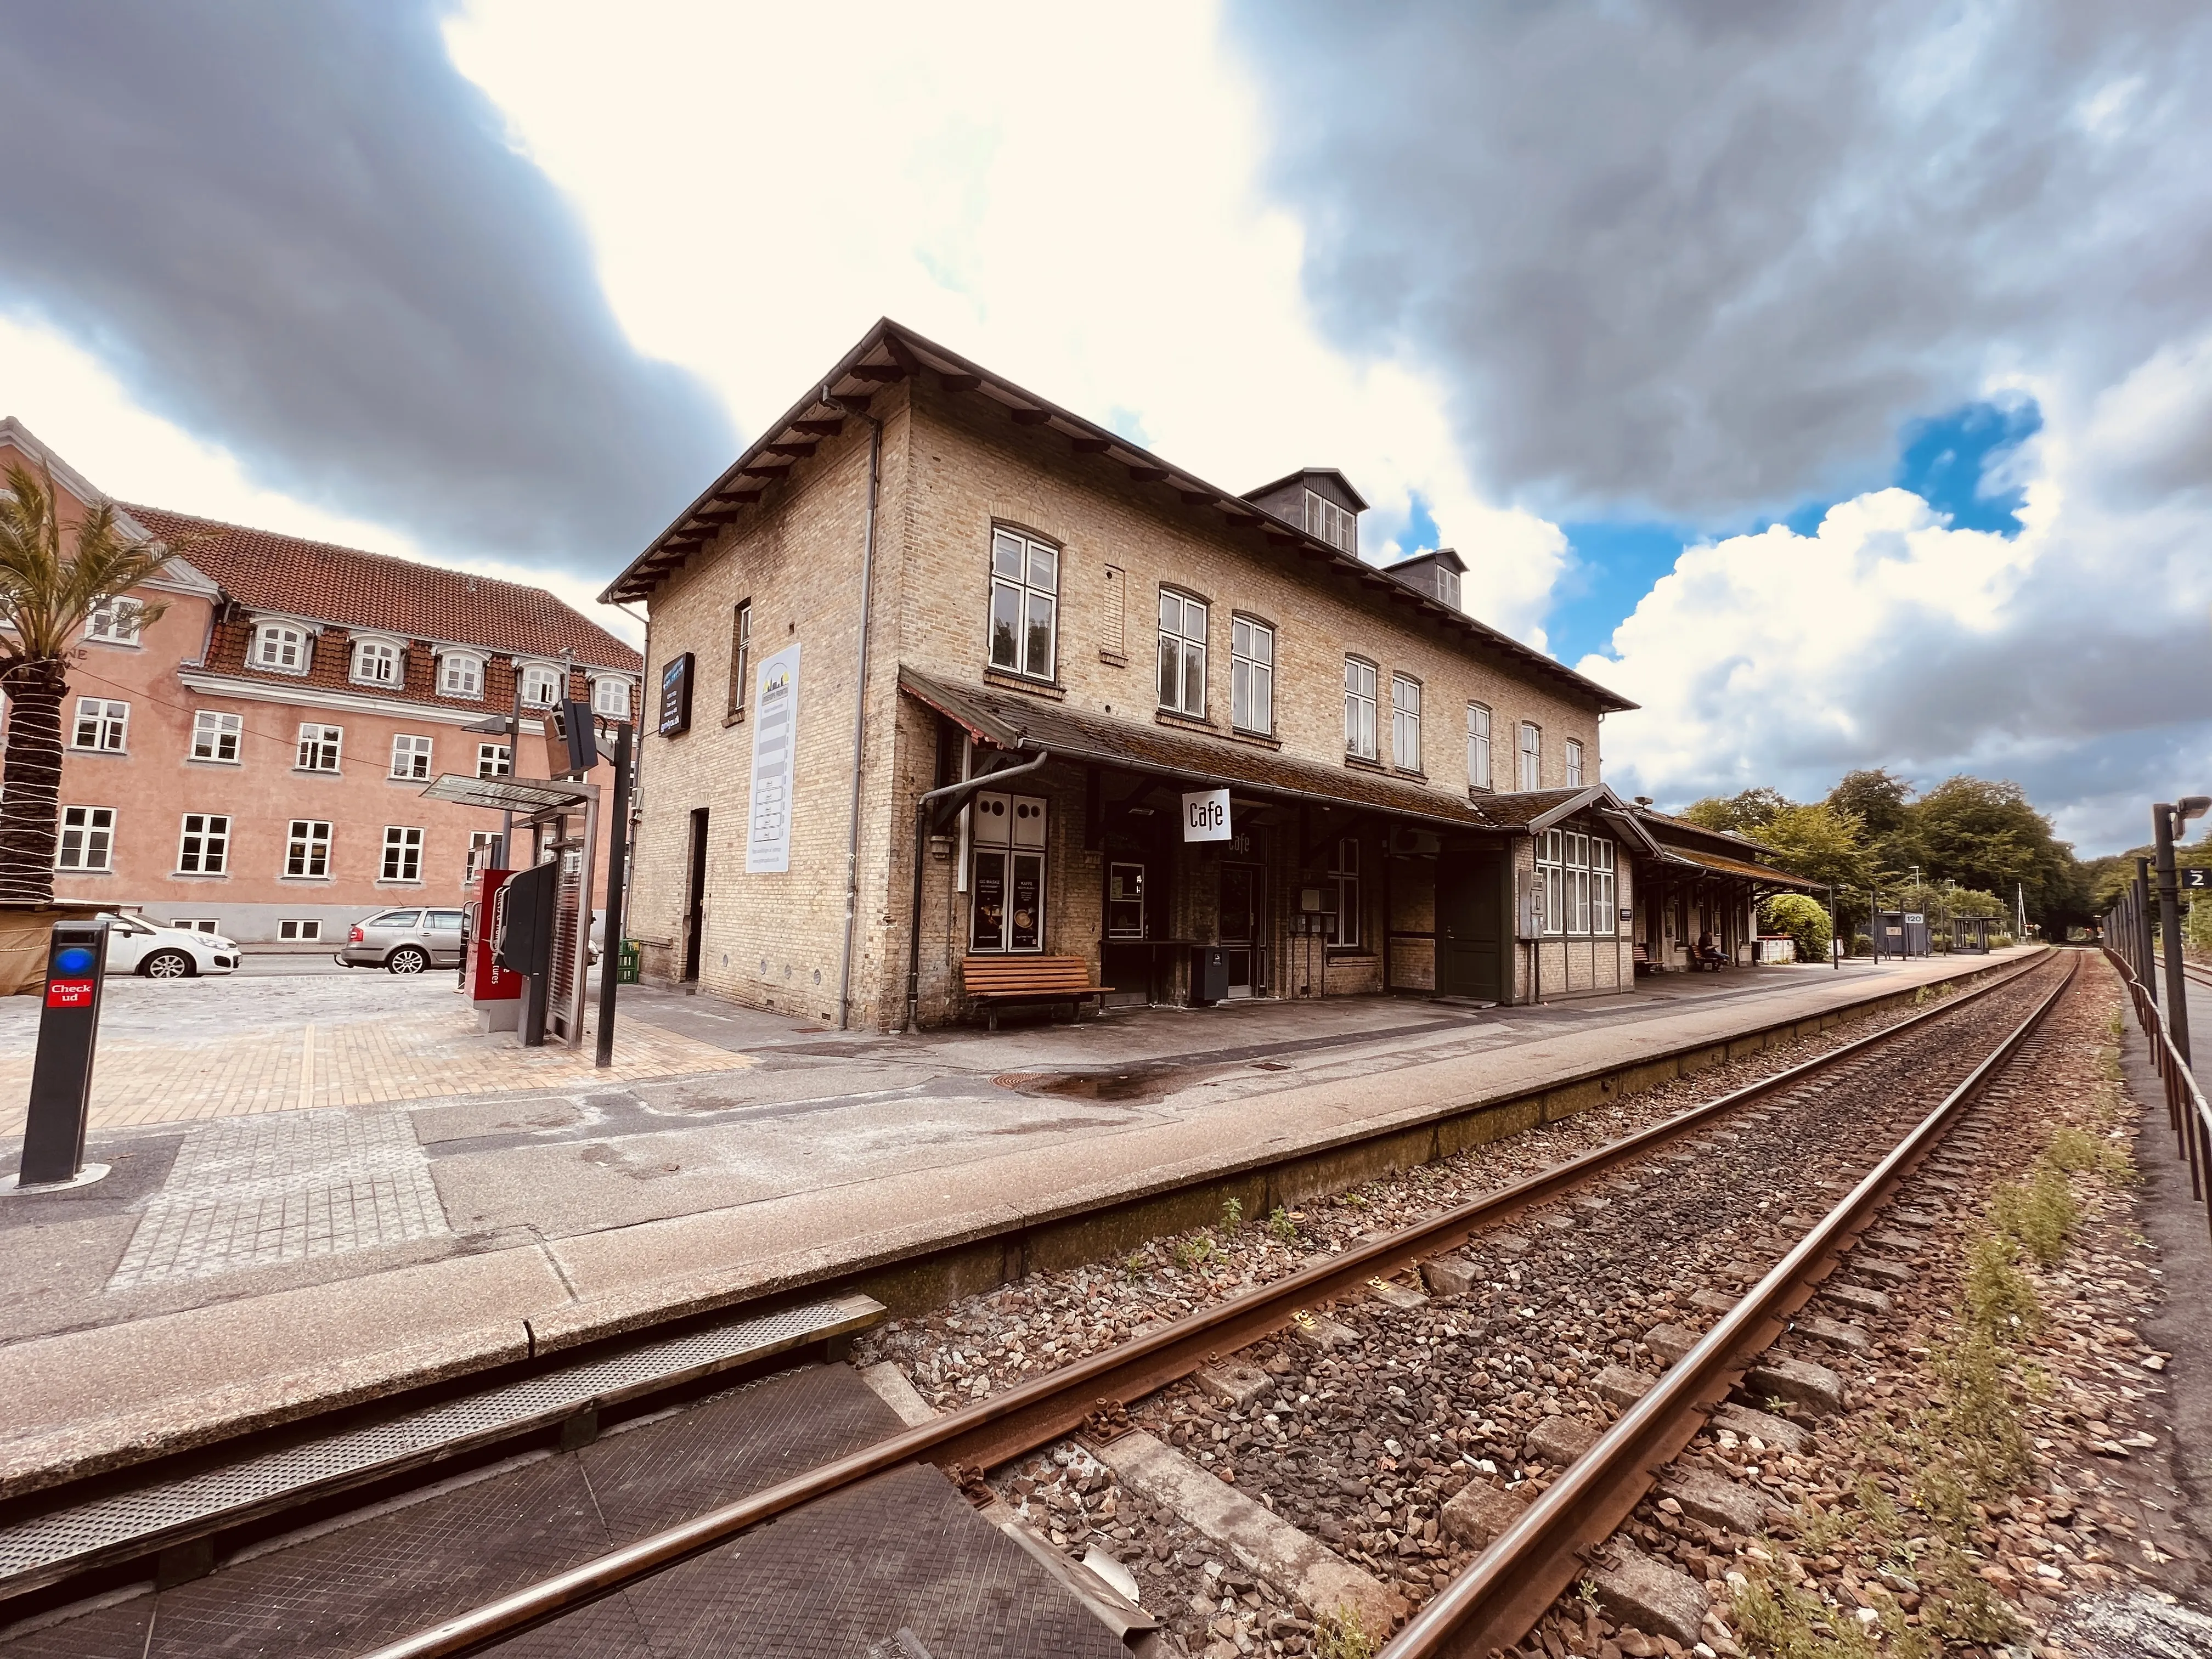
x=1817 y=1121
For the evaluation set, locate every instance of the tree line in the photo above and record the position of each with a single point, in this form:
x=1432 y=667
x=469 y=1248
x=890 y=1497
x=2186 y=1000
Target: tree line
x=1965 y=847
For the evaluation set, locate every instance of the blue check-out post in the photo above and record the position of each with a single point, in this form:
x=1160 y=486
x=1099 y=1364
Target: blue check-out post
x=61 y=1076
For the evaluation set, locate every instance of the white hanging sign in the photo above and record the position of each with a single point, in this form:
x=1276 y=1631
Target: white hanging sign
x=776 y=740
x=1206 y=816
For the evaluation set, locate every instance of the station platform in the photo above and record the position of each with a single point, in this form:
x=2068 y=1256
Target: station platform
x=239 y=1270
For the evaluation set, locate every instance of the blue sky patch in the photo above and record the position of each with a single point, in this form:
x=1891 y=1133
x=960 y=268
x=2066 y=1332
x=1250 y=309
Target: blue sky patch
x=1956 y=463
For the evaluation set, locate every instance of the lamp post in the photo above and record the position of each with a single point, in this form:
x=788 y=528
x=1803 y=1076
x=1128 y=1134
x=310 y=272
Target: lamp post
x=617 y=875
x=2165 y=824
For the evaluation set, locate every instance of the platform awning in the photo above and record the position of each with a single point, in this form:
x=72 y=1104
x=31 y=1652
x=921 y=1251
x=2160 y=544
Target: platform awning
x=506 y=794
x=1713 y=864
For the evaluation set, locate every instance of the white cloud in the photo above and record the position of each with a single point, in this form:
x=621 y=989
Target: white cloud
x=2071 y=659
x=1068 y=195
x=75 y=406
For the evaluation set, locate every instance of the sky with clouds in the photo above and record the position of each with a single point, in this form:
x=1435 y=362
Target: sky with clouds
x=1834 y=379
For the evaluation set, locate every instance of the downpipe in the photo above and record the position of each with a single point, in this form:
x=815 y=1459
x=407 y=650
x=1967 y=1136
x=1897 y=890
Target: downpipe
x=859 y=707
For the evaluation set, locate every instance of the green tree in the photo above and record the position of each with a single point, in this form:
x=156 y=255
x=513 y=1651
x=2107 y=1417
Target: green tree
x=51 y=582
x=1802 y=918
x=1737 y=815
x=1877 y=798
x=1987 y=836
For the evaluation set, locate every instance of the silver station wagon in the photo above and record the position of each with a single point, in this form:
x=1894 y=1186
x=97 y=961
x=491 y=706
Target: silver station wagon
x=404 y=941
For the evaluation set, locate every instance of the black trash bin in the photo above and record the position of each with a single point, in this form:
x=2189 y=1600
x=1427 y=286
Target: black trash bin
x=1209 y=974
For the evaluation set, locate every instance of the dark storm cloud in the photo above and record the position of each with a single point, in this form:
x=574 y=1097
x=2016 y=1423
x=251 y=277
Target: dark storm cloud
x=297 y=231
x=1701 y=259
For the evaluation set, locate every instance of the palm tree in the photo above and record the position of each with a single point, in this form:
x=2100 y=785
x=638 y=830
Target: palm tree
x=46 y=594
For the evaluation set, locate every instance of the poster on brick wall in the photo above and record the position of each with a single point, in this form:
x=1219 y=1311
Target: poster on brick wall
x=776 y=739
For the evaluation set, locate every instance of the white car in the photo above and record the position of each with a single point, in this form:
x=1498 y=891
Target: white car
x=135 y=945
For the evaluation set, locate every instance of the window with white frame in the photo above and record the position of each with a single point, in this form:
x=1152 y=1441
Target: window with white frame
x=541 y=686
x=460 y=675
x=1532 y=757
x=1574 y=764
x=741 y=655
x=1344 y=876
x=116 y=621
x=611 y=697
x=215 y=736
x=307 y=850
x=411 y=757
x=402 y=854
x=1251 y=675
x=1404 y=723
x=197 y=924
x=299 y=927
x=1024 y=604
x=1575 y=877
x=319 y=747
x=203 y=845
x=1477 y=746
x=88 y=839
x=480 y=841
x=1182 y=654
x=494 y=760
x=101 y=724
x=1359 y=708
x=1448 y=586
x=375 y=662
x=280 y=646
x=1337 y=525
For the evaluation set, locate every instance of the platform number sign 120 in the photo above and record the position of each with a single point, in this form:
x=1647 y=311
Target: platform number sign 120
x=1206 y=816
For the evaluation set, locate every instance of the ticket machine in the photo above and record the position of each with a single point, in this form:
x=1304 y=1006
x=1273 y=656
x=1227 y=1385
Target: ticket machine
x=494 y=992
x=522 y=931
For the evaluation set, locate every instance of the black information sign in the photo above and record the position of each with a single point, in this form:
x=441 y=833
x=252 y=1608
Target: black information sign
x=1026 y=931
x=60 y=1075
x=676 y=697
x=2195 y=877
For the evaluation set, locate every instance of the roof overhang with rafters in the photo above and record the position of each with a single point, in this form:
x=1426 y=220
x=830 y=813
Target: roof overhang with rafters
x=890 y=353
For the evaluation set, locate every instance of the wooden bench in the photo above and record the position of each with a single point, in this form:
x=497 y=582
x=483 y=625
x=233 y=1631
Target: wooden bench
x=1644 y=964
x=995 y=980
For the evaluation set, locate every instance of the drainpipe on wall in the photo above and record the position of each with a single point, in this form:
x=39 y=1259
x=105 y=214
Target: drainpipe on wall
x=860 y=703
x=961 y=790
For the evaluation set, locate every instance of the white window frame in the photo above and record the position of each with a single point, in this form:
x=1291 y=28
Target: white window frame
x=307 y=849
x=410 y=755
x=1448 y=586
x=1478 y=745
x=1532 y=756
x=615 y=707
x=741 y=655
x=1337 y=525
x=274 y=640
x=539 y=675
x=86 y=843
x=1025 y=586
x=1404 y=723
x=116 y=621
x=495 y=760
x=403 y=854
x=1604 y=893
x=106 y=722
x=1574 y=764
x=1251 y=676
x=479 y=840
x=467 y=667
x=377 y=662
x=203 y=844
x=321 y=750
x=1344 y=876
x=1183 y=653
x=1361 y=679
x=301 y=929
x=1551 y=874
x=197 y=924
x=215 y=731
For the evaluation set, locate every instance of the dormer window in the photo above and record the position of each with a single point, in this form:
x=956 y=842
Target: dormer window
x=461 y=674
x=280 y=647
x=541 y=686
x=610 y=696
x=1333 y=524
x=375 y=662
x=1448 y=586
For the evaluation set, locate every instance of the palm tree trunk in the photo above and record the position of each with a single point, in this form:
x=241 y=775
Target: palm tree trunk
x=30 y=781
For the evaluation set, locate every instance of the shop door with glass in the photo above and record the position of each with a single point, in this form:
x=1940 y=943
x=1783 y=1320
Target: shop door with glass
x=1241 y=925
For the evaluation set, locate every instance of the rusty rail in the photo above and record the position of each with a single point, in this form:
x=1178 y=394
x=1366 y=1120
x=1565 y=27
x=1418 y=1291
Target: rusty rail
x=1038 y=1411
x=1499 y=1598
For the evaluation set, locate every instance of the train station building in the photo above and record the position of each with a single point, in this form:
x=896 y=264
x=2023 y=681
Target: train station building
x=941 y=674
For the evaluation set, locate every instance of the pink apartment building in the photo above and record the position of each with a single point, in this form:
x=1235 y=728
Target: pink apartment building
x=253 y=759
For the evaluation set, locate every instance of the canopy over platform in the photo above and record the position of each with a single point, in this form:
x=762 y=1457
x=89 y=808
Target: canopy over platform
x=524 y=795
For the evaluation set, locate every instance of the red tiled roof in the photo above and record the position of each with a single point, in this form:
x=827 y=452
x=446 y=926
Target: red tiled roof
x=265 y=571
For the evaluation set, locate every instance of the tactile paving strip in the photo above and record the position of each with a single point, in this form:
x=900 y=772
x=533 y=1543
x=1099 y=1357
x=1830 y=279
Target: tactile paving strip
x=50 y=1546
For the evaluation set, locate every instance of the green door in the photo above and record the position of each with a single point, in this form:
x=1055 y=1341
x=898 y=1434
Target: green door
x=1471 y=930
